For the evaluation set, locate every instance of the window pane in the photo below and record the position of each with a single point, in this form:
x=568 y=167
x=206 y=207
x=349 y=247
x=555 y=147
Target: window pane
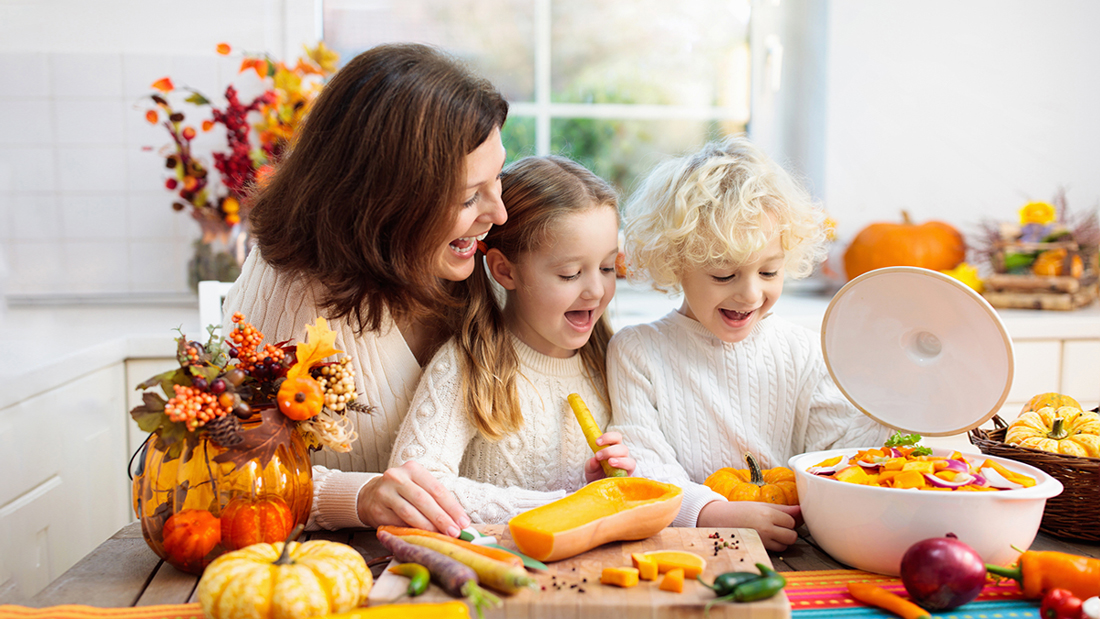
x=623 y=151
x=495 y=36
x=687 y=52
x=518 y=135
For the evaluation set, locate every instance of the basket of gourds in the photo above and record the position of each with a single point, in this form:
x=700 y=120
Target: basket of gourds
x=1054 y=434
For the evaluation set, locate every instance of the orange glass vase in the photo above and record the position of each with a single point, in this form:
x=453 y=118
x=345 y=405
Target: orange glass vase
x=193 y=508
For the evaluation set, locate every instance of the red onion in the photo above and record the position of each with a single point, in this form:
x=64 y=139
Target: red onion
x=942 y=573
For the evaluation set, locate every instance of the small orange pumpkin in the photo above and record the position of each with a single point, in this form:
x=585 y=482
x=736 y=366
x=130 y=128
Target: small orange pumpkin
x=300 y=397
x=1053 y=263
x=932 y=245
x=1051 y=399
x=189 y=536
x=775 y=485
x=246 y=521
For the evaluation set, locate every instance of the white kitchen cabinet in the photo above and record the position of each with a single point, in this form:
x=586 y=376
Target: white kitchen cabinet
x=64 y=489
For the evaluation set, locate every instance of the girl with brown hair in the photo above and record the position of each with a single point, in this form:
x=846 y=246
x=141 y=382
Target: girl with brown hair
x=491 y=417
x=371 y=221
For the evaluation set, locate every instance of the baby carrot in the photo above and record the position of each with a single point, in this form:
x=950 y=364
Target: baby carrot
x=877 y=596
x=491 y=573
x=591 y=432
x=492 y=553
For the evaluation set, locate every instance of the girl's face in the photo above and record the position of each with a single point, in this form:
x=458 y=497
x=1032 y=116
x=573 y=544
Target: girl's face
x=481 y=209
x=730 y=299
x=562 y=288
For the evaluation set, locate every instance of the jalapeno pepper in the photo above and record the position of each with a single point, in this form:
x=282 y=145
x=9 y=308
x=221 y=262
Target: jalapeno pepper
x=744 y=589
x=1040 y=571
x=418 y=577
x=724 y=584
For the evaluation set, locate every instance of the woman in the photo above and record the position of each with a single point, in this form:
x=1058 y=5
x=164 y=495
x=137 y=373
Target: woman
x=369 y=222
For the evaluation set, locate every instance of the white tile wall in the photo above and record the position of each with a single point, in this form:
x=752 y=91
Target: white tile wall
x=83 y=207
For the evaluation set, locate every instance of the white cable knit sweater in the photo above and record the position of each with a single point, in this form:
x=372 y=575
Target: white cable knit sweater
x=497 y=480
x=689 y=404
x=386 y=374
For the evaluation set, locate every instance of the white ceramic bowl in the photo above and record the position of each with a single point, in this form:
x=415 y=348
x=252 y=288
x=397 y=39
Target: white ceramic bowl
x=870 y=528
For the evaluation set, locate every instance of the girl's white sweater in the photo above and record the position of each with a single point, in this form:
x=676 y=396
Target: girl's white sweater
x=688 y=403
x=495 y=480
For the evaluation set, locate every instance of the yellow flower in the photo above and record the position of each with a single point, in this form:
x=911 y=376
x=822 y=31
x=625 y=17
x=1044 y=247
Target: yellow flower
x=967 y=275
x=830 y=229
x=1036 y=213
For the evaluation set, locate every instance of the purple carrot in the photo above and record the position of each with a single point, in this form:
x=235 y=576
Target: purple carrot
x=453 y=577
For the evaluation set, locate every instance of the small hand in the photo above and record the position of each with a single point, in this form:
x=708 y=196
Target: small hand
x=409 y=495
x=774 y=523
x=614 y=453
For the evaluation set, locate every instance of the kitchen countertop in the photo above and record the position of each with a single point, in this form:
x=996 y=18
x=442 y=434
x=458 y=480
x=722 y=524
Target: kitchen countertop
x=48 y=345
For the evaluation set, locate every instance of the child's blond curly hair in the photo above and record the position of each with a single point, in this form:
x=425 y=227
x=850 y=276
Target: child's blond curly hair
x=720 y=205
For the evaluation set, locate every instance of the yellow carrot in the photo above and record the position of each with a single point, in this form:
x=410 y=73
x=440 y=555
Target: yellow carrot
x=877 y=596
x=492 y=553
x=591 y=432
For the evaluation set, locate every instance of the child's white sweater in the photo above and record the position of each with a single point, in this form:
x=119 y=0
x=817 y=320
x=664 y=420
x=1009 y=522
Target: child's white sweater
x=688 y=403
x=497 y=480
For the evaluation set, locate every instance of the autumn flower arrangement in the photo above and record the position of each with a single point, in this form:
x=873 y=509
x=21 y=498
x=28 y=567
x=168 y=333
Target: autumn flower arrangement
x=257 y=132
x=219 y=384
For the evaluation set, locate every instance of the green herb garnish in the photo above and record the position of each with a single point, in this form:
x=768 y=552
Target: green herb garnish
x=904 y=440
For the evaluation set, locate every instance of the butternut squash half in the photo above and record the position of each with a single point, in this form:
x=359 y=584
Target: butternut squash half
x=608 y=510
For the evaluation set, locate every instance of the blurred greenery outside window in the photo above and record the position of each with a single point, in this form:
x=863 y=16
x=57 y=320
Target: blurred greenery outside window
x=618 y=85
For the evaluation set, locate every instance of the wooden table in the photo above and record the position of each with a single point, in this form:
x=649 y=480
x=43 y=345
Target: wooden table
x=123 y=571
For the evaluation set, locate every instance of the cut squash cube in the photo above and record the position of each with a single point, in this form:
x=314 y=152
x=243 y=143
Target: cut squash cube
x=646 y=566
x=619 y=576
x=673 y=581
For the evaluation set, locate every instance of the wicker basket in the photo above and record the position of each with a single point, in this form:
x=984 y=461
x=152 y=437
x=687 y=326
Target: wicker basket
x=1075 y=513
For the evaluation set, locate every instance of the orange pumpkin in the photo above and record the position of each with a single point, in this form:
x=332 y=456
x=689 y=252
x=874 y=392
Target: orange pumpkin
x=247 y=521
x=1053 y=263
x=189 y=536
x=300 y=397
x=1051 y=399
x=775 y=485
x=932 y=245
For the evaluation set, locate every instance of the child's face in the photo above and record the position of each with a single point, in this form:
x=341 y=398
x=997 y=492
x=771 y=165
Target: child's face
x=562 y=288
x=730 y=300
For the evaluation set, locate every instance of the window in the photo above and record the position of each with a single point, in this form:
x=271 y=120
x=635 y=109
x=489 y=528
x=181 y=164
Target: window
x=614 y=85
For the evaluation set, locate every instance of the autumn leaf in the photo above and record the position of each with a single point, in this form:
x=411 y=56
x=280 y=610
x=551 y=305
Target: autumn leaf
x=324 y=57
x=197 y=98
x=164 y=85
x=320 y=343
x=261 y=442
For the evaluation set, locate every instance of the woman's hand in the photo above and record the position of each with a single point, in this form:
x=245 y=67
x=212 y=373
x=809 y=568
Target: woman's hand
x=775 y=523
x=408 y=495
x=615 y=453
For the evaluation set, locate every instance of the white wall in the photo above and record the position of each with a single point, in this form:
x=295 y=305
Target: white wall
x=960 y=110
x=83 y=209
x=954 y=109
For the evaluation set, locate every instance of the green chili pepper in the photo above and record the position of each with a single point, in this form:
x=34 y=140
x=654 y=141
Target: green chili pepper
x=724 y=584
x=418 y=577
x=765 y=584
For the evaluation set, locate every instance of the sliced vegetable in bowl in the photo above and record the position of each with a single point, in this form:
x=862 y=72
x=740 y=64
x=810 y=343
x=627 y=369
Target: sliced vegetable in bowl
x=901 y=463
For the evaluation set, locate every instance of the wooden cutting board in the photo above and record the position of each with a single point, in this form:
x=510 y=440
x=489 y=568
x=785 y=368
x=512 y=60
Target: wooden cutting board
x=571 y=587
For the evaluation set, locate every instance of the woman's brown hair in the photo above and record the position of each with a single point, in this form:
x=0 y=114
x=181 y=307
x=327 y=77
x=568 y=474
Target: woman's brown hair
x=368 y=193
x=538 y=192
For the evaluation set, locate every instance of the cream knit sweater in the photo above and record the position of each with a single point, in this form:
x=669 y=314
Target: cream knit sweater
x=689 y=404
x=386 y=374
x=497 y=480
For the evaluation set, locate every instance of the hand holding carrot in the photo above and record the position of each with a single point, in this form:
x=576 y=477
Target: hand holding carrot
x=614 y=453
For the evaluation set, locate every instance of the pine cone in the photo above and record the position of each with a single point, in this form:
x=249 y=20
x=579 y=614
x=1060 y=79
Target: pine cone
x=225 y=431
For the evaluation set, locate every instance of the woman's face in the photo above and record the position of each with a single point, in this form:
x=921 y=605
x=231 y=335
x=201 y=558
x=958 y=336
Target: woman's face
x=481 y=208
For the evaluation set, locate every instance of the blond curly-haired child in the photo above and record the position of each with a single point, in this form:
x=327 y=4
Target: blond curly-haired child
x=720 y=377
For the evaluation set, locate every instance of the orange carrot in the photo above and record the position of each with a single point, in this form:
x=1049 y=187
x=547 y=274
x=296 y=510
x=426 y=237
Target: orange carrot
x=877 y=596
x=485 y=551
